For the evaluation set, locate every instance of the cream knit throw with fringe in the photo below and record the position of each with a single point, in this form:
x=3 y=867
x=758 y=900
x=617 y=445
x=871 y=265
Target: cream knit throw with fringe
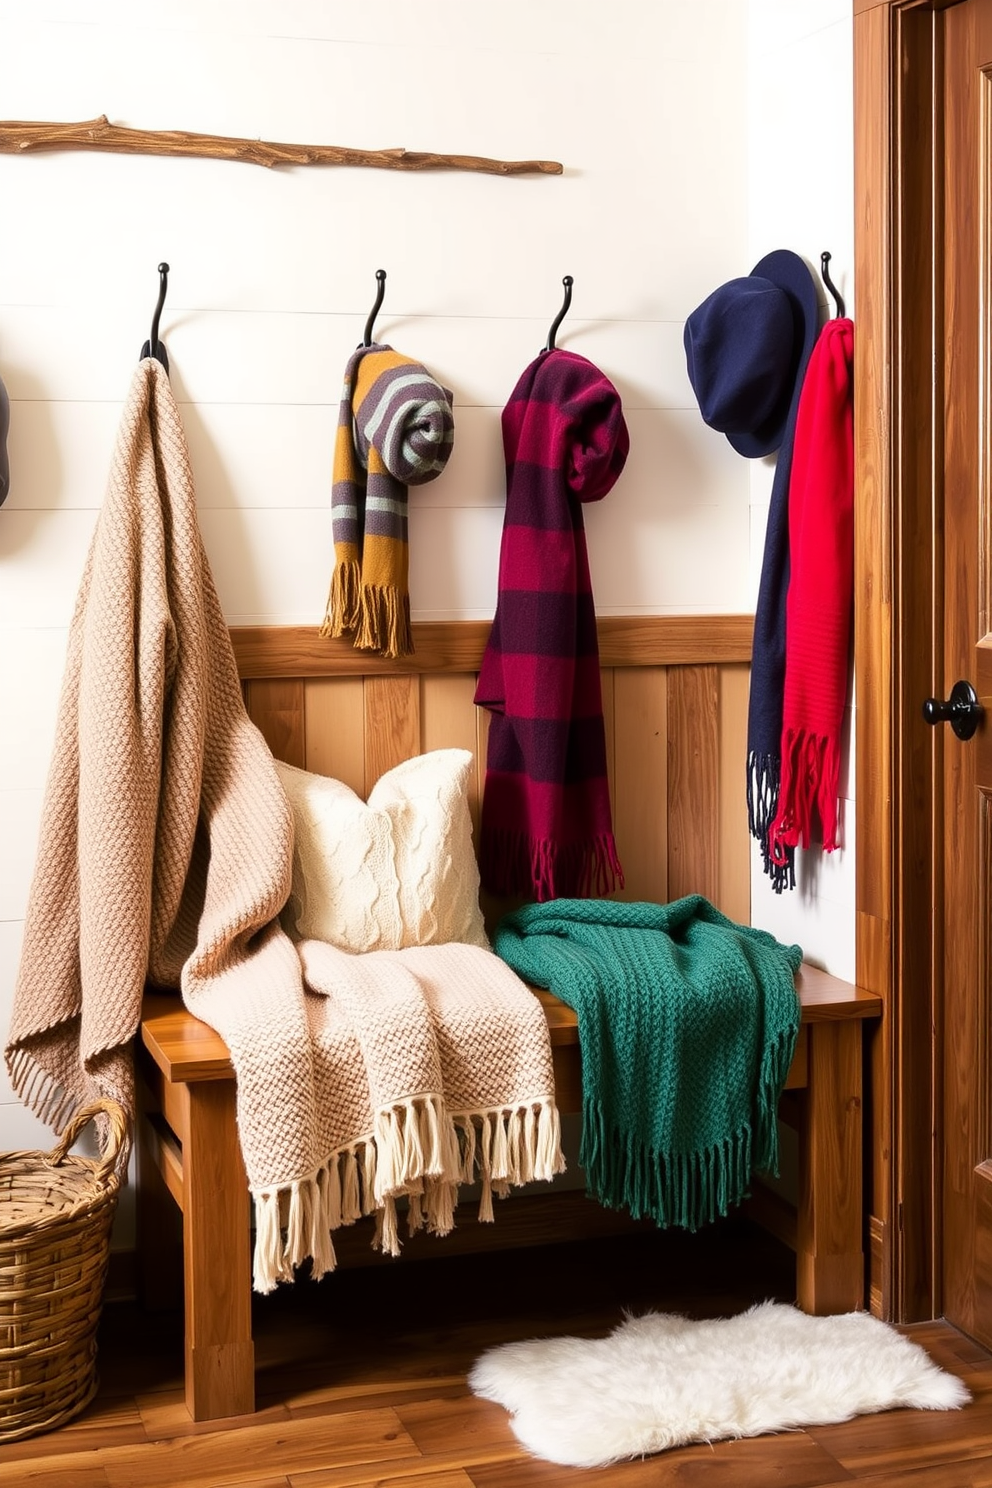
x=165 y=853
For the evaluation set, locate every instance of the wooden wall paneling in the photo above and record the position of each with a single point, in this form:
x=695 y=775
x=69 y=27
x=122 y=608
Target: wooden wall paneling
x=457 y=646
x=874 y=393
x=277 y=710
x=609 y=729
x=449 y=722
x=448 y=711
x=392 y=724
x=300 y=651
x=734 y=894
x=693 y=781
x=335 y=729
x=654 y=667
x=640 y=786
x=673 y=640
x=873 y=405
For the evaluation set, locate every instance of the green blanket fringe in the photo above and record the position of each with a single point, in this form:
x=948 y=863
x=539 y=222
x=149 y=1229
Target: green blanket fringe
x=644 y=977
x=685 y=1189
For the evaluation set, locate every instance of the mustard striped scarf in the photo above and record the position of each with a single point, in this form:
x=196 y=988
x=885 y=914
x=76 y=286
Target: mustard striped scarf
x=395 y=429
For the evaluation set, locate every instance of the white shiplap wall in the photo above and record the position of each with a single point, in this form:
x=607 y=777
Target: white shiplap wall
x=801 y=196
x=676 y=124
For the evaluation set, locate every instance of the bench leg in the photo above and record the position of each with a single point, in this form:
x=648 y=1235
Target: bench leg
x=220 y=1354
x=159 y=1219
x=830 y=1263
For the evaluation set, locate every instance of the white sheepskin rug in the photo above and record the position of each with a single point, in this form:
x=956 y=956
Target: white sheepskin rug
x=661 y=1381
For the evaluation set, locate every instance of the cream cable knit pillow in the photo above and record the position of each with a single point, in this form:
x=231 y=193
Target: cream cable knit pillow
x=395 y=871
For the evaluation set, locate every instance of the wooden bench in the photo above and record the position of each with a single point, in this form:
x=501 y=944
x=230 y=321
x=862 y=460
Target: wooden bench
x=675 y=723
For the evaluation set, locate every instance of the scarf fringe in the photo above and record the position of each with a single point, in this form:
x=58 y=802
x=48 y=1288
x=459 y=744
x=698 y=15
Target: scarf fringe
x=377 y=616
x=580 y=870
x=343 y=610
x=418 y=1151
x=764 y=777
x=384 y=622
x=687 y=1189
x=810 y=775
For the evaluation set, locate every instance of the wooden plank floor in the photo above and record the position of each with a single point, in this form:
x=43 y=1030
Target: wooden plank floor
x=362 y=1382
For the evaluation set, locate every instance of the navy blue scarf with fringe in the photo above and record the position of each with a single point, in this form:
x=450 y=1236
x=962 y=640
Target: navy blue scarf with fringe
x=764 y=717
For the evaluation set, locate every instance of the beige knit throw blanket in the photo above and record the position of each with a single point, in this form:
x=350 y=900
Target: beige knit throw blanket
x=165 y=854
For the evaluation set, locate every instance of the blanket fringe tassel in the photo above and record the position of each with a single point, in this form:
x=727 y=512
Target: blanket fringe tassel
x=39 y=1092
x=687 y=1189
x=55 y=1105
x=416 y=1151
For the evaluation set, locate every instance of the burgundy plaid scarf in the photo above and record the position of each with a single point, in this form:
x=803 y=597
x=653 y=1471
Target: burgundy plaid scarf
x=546 y=830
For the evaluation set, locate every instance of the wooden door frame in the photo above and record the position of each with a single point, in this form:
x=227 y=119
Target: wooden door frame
x=898 y=537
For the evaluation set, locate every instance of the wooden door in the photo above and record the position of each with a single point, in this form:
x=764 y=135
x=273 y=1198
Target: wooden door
x=964 y=652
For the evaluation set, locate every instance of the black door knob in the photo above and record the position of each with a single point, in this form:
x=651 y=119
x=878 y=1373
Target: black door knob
x=962 y=710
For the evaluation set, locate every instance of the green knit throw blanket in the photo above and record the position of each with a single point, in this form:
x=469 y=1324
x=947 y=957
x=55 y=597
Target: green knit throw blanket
x=687 y=1027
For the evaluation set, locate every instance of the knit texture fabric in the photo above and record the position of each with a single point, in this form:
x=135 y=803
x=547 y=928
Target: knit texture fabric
x=767 y=683
x=546 y=826
x=166 y=852
x=395 y=429
x=687 y=1028
x=151 y=735
x=821 y=588
x=394 y=871
x=429 y=1067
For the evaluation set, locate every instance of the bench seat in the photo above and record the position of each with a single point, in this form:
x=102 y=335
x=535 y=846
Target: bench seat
x=188 y=1148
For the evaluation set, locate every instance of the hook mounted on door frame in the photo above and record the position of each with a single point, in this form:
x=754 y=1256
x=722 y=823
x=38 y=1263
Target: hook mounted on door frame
x=825 y=276
x=380 y=275
x=567 y=282
x=153 y=346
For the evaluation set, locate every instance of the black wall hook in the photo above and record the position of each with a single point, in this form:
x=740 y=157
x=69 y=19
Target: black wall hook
x=380 y=275
x=568 y=282
x=153 y=346
x=825 y=276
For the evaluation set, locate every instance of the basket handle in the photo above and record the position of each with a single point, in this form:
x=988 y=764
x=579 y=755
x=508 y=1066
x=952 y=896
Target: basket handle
x=117 y=1128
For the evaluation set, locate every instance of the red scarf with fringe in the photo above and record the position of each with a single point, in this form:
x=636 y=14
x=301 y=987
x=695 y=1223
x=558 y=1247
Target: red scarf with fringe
x=546 y=830
x=819 y=602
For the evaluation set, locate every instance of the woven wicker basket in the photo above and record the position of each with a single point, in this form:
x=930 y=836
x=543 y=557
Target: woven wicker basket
x=56 y=1210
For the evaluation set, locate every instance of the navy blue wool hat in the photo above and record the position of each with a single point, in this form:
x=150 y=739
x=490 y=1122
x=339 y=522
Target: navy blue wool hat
x=746 y=350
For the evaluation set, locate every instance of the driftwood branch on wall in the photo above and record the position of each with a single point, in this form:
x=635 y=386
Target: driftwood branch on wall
x=18 y=137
